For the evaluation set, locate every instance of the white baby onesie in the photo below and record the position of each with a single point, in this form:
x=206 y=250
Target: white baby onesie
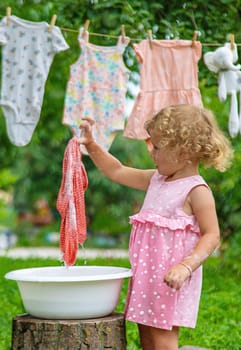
x=27 y=53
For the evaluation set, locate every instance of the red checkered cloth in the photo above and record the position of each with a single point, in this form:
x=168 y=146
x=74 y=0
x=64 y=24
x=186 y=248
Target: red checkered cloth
x=71 y=203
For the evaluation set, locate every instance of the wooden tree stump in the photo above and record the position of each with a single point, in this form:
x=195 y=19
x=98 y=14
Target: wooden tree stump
x=106 y=333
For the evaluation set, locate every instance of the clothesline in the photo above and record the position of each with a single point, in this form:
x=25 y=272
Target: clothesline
x=132 y=39
x=64 y=29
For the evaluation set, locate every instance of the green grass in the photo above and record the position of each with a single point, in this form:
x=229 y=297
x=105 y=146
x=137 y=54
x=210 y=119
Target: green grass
x=219 y=320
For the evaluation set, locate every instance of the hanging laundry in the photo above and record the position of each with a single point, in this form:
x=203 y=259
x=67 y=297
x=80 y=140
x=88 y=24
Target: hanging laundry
x=27 y=53
x=97 y=89
x=168 y=75
x=222 y=61
x=70 y=202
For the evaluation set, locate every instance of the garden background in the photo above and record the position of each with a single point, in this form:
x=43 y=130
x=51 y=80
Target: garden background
x=35 y=170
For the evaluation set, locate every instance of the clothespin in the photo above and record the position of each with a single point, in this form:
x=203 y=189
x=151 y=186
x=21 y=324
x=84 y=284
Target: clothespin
x=123 y=33
x=86 y=26
x=52 y=23
x=231 y=38
x=194 y=37
x=8 y=14
x=149 y=33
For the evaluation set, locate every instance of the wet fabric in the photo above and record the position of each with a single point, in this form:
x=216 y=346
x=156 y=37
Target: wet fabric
x=71 y=202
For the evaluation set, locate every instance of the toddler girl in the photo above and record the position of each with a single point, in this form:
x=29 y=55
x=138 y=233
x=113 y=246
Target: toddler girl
x=177 y=227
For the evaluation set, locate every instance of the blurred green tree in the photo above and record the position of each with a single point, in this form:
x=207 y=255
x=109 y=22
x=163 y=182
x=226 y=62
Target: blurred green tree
x=35 y=170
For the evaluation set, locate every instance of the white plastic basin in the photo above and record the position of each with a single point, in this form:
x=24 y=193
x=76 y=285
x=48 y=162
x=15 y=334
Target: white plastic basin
x=76 y=292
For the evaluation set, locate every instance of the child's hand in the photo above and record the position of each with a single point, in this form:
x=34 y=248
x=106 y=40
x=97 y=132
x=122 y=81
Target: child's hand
x=86 y=135
x=176 y=276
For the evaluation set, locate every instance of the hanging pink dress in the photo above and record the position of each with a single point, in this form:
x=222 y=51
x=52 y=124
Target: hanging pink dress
x=168 y=76
x=162 y=235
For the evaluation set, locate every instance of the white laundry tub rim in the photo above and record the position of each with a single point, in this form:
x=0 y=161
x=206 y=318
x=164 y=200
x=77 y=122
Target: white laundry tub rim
x=69 y=274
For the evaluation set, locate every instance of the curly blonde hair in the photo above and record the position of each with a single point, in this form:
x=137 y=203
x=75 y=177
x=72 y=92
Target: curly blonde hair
x=191 y=130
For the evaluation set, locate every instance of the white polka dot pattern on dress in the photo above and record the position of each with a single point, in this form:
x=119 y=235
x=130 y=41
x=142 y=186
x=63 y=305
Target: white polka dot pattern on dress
x=159 y=239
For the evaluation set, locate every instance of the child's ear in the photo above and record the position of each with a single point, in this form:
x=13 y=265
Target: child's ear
x=149 y=144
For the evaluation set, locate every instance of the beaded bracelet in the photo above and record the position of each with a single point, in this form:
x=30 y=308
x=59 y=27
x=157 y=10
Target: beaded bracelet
x=187 y=267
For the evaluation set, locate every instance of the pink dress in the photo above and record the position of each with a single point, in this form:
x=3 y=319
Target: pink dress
x=168 y=75
x=162 y=235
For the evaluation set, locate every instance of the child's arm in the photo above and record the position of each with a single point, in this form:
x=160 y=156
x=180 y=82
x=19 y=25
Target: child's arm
x=111 y=166
x=203 y=208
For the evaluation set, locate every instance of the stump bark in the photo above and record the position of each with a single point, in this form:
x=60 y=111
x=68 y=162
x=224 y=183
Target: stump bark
x=106 y=333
